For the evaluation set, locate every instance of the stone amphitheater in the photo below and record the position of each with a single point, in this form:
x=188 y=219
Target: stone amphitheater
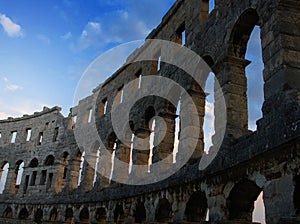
x=64 y=177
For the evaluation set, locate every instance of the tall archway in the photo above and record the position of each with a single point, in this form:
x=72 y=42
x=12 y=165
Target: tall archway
x=19 y=173
x=53 y=215
x=38 y=216
x=100 y=215
x=8 y=213
x=140 y=213
x=241 y=200
x=196 y=208
x=69 y=215
x=23 y=214
x=84 y=215
x=118 y=213
x=246 y=44
x=163 y=211
x=3 y=175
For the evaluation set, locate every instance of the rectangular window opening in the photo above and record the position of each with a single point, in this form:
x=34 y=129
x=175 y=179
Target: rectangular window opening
x=103 y=108
x=159 y=63
x=43 y=177
x=28 y=134
x=33 y=178
x=49 y=183
x=138 y=80
x=89 y=115
x=13 y=136
x=65 y=173
x=121 y=94
x=40 y=139
x=181 y=35
x=55 y=135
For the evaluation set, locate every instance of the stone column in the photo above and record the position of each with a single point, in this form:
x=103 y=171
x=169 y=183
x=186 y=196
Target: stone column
x=88 y=173
x=74 y=173
x=280 y=45
x=10 y=184
x=103 y=170
x=140 y=157
x=191 y=126
x=122 y=154
x=164 y=137
x=231 y=89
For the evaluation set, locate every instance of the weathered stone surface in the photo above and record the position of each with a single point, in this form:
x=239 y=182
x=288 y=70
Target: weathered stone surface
x=247 y=163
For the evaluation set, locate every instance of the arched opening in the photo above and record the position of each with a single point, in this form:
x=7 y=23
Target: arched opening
x=119 y=213
x=100 y=215
x=8 y=213
x=163 y=211
x=33 y=163
x=241 y=200
x=3 y=174
x=196 y=208
x=80 y=168
x=69 y=215
x=297 y=195
x=90 y=167
x=254 y=74
x=84 y=215
x=38 y=216
x=53 y=215
x=49 y=161
x=140 y=213
x=19 y=173
x=65 y=161
x=246 y=44
x=23 y=214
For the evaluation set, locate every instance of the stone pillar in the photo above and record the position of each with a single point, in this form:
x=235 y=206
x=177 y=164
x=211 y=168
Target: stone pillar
x=164 y=137
x=278 y=199
x=122 y=154
x=74 y=173
x=191 y=126
x=103 y=169
x=281 y=53
x=88 y=173
x=10 y=184
x=140 y=158
x=231 y=86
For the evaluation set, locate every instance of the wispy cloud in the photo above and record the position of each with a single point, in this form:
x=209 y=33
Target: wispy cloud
x=9 y=86
x=67 y=36
x=12 y=29
x=13 y=87
x=44 y=38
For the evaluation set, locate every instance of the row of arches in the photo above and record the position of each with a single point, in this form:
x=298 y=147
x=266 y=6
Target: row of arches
x=239 y=204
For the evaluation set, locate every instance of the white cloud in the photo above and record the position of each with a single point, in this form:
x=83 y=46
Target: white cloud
x=44 y=38
x=12 y=29
x=13 y=87
x=5 y=79
x=67 y=36
x=117 y=27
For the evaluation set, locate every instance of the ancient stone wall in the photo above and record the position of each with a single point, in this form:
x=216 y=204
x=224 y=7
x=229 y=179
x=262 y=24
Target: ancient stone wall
x=65 y=175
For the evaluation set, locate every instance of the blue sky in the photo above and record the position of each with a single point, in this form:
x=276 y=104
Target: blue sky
x=47 y=45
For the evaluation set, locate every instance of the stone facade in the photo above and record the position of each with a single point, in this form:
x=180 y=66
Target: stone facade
x=247 y=164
